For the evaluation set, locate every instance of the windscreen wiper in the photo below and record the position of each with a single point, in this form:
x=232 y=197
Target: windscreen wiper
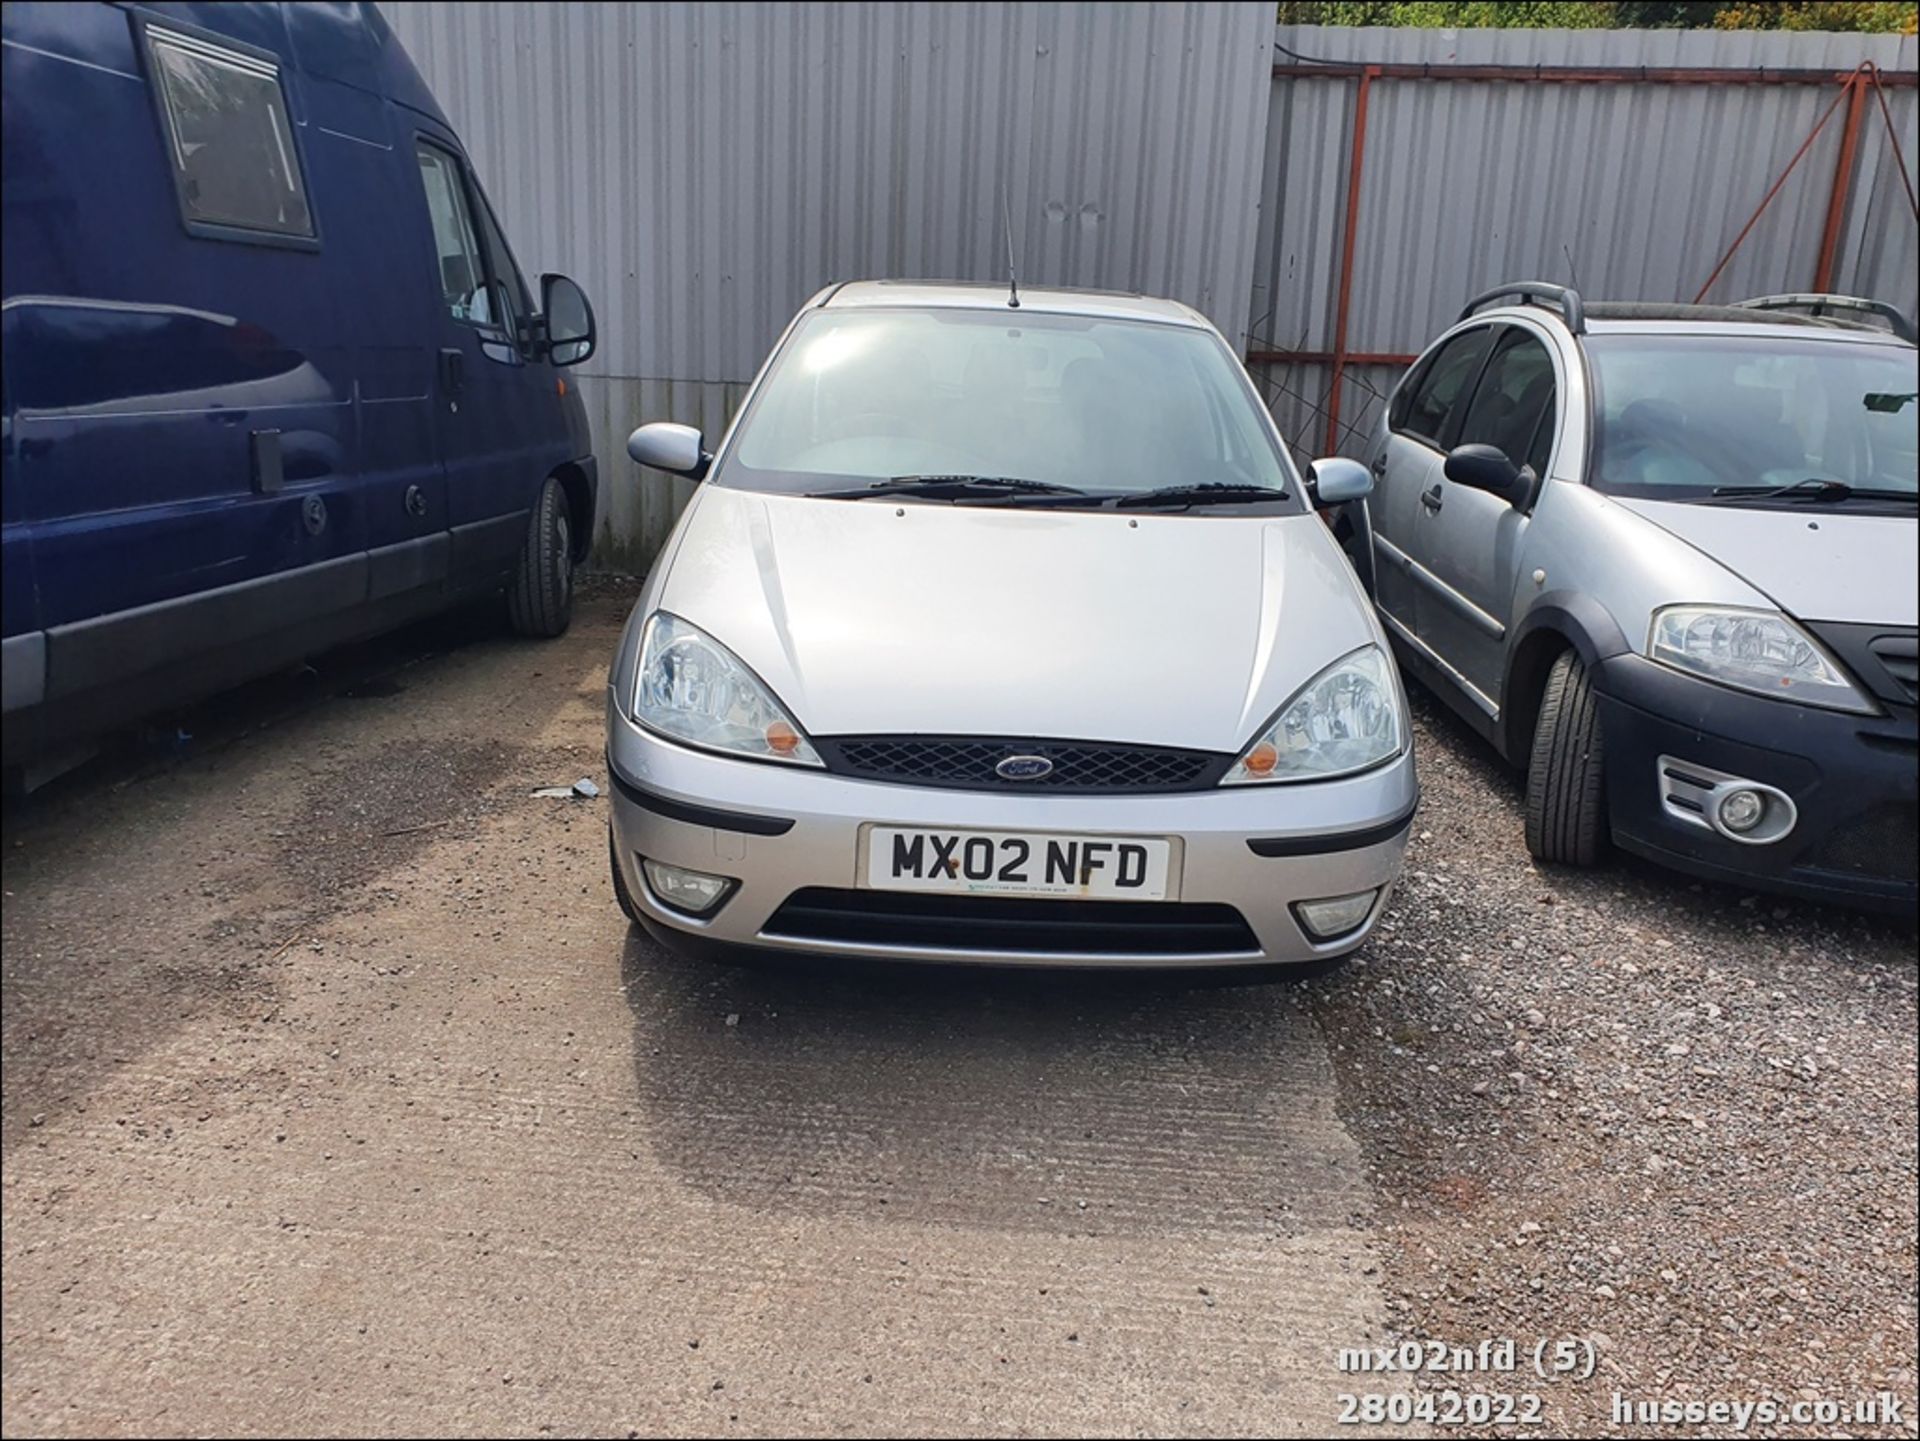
x=950 y=487
x=1812 y=491
x=1212 y=492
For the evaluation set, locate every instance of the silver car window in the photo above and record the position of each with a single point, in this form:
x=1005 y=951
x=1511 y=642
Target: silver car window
x=1676 y=416
x=1514 y=402
x=1097 y=404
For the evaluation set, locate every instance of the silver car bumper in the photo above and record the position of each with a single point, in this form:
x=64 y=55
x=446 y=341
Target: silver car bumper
x=664 y=795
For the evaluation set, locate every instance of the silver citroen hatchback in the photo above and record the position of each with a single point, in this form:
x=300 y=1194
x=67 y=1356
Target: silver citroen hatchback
x=1003 y=630
x=1664 y=557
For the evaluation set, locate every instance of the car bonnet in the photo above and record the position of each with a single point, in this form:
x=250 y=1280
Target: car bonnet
x=870 y=617
x=1819 y=565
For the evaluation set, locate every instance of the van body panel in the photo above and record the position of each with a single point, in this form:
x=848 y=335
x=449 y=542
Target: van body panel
x=225 y=446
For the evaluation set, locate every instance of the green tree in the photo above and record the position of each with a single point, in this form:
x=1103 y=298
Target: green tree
x=1886 y=16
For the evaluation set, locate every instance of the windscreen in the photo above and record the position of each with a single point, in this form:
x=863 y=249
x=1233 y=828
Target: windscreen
x=1678 y=416
x=1107 y=405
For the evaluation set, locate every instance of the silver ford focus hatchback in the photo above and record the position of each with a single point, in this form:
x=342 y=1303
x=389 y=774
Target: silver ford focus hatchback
x=1003 y=630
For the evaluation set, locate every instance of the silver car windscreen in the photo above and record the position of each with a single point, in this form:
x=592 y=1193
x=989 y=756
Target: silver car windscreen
x=1097 y=404
x=1677 y=417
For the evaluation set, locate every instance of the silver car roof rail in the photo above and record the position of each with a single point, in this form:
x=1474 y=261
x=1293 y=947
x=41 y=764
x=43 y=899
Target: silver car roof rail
x=1821 y=305
x=1536 y=292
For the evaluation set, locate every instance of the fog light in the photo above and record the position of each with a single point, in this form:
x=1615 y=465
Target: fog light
x=1742 y=810
x=694 y=892
x=1334 y=915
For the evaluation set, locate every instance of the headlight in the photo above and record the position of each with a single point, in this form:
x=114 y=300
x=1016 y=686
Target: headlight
x=694 y=689
x=1756 y=650
x=1345 y=719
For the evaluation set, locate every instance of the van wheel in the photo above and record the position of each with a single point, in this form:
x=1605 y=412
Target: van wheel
x=1566 y=796
x=540 y=596
x=620 y=891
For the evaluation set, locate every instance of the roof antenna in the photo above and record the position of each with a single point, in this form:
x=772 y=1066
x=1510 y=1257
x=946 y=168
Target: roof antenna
x=1013 y=280
x=1572 y=272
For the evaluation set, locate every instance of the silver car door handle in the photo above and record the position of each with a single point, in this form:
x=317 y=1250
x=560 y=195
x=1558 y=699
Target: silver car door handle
x=1431 y=498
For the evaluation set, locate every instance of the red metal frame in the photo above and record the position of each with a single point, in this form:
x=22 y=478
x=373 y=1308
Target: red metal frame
x=1586 y=74
x=1853 y=89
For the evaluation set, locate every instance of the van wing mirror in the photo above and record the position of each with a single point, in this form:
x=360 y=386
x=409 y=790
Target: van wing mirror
x=567 y=319
x=677 y=449
x=1486 y=467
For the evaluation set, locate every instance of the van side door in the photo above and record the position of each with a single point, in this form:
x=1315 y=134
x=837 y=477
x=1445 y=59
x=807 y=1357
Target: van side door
x=496 y=412
x=180 y=398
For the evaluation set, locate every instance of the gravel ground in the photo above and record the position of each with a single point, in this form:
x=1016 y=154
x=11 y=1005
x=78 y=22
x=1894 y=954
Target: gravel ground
x=339 y=1098
x=1669 y=1117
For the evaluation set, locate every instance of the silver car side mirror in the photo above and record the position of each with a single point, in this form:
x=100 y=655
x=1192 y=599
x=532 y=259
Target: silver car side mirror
x=1334 y=480
x=670 y=447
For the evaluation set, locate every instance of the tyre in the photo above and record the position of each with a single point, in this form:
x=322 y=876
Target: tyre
x=1566 y=795
x=540 y=596
x=620 y=891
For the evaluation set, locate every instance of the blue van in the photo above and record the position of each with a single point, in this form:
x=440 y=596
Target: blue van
x=272 y=378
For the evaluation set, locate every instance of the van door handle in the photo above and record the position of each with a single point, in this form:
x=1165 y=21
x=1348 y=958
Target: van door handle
x=1379 y=466
x=453 y=371
x=1431 y=498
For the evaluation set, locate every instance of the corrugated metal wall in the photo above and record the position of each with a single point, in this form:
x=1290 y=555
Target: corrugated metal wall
x=1633 y=191
x=702 y=168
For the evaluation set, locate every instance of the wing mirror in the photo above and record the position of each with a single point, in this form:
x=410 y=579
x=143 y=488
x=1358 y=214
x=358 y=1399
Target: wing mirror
x=1335 y=480
x=678 y=449
x=568 y=320
x=1486 y=467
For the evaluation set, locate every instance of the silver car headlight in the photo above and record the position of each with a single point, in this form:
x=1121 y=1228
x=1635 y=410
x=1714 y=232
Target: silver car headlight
x=693 y=689
x=1755 y=650
x=1345 y=719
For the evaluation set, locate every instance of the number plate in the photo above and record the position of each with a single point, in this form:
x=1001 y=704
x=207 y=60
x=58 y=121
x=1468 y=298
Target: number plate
x=1020 y=863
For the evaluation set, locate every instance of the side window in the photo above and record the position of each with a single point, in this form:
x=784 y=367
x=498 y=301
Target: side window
x=509 y=288
x=1514 y=401
x=463 y=275
x=1441 y=384
x=225 y=116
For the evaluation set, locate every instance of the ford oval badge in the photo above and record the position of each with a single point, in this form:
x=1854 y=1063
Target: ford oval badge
x=1023 y=768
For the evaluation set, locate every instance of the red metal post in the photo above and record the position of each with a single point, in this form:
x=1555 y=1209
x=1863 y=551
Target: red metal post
x=1842 y=181
x=1354 y=171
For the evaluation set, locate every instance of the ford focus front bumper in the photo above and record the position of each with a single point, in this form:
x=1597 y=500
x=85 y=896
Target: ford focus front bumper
x=793 y=843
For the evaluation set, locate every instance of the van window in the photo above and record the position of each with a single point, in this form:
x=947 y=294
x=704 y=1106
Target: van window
x=463 y=275
x=234 y=161
x=515 y=307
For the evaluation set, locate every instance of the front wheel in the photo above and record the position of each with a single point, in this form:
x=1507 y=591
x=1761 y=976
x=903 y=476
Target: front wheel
x=540 y=596
x=1566 y=773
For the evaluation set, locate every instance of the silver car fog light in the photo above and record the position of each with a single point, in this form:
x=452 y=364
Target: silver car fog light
x=1750 y=812
x=1333 y=916
x=676 y=887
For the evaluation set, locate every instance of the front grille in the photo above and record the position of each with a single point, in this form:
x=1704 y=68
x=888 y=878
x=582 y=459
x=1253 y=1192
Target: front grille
x=1881 y=843
x=967 y=763
x=1015 y=924
x=1886 y=661
x=1899 y=656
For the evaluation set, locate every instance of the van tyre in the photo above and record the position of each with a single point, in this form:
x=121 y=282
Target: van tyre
x=540 y=596
x=620 y=891
x=1566 y=795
